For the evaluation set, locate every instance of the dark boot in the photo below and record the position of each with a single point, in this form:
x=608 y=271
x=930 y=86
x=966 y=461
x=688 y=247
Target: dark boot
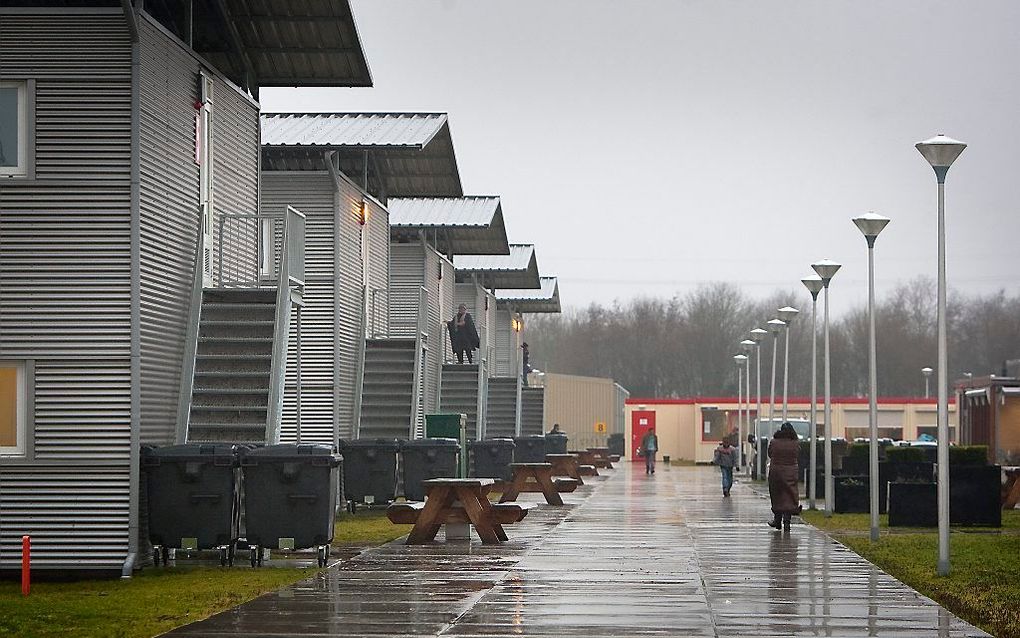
x=786 y=522
x=776 y=522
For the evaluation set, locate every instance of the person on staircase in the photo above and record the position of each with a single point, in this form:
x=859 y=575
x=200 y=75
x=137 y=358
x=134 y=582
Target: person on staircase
x=463 y=335
x=784 y=492
x=726 y=458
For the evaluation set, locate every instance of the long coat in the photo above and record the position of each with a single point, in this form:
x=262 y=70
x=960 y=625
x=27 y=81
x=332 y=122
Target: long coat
x=464 y=337
x=783 y=489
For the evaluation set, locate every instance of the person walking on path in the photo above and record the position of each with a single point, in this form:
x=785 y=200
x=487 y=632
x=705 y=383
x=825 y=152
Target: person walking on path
x=726 y=458
x=649 y=446
x=463 y=334
x=783 y=489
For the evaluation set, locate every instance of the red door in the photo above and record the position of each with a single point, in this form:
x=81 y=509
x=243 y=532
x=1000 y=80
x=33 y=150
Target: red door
x=640 y=422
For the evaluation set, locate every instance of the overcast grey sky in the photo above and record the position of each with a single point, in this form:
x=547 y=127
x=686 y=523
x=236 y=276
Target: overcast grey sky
x=649 y=146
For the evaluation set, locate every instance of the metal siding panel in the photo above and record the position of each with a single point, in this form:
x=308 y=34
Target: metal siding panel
x=351 y=301
x=405 y=279
x=379 y=262
x=504 y=343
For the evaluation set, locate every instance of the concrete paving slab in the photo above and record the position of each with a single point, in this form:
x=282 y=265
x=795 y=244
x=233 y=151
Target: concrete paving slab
x=628 y=555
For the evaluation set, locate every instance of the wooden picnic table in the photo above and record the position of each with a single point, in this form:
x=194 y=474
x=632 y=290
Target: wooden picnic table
x=449 y=501
x=1011 y=490
x=537 y=477
x=586 y=462
x=565 y=465
x=601 y=457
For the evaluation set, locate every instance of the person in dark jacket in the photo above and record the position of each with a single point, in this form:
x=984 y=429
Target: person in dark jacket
x=726 y=458
x=463 y=335
x=649 y=446
x=783 y=470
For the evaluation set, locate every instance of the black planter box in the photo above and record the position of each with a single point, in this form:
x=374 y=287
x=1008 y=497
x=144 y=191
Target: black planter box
x=913 y=505
x=851 y=499
x=974 y=493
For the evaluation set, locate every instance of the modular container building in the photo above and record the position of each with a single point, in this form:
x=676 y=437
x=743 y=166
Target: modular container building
x=136 y=135
x=990 y=415
x=586 y=408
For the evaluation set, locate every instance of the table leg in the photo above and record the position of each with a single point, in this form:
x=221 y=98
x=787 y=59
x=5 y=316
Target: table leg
x=427 y=525
x=544 y=478
x=487 y=508
x=513 y=490
x=471 y=503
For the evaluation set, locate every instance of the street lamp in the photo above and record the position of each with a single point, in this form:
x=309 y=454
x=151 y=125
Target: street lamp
x=747 y=346
x=756 y=336
x=941 y=151
x=775 y=327
x=827 y=269
x=741 y=361
x=814 y=285
x=926 y=373
x=871 y=224
x=787 y=314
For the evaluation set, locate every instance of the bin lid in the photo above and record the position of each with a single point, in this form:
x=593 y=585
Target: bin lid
x=289 y=450
x=493 y=443
x=430 y=443
x=377 y=443
x=530 y=437
x=190 y=450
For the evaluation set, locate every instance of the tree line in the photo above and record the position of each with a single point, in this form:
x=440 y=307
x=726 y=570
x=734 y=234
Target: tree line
x=683 y=346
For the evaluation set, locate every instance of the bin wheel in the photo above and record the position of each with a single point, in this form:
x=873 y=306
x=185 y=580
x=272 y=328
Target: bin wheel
x=223 y=557
x=165 y=554
x=323 y=555
x=155 y=556
x=260 y=553
x=230 y=555
x=253 y=553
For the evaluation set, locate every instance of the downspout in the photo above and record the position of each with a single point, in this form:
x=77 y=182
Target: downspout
x=134 y=464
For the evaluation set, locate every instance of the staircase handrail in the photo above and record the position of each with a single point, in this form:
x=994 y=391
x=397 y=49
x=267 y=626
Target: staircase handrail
x=289 y=292
x=187 y=384
x=421 y=344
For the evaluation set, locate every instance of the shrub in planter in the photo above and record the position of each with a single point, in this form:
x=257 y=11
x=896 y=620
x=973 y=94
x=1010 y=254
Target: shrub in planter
x=851 y=494
x=974 y=493
x=913 y=504
x=968 y=455
x=898 y=455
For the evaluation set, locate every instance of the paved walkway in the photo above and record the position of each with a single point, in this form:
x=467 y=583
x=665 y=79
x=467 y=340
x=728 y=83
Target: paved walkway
x=629 y=555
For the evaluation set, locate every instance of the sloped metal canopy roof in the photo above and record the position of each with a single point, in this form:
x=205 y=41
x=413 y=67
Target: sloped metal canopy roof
x=471 y=225
x=260 y=42
x=404 y=154
x=544 y=299
x=519 y=269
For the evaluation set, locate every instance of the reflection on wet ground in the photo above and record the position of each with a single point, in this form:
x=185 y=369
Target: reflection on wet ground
x=628 y=555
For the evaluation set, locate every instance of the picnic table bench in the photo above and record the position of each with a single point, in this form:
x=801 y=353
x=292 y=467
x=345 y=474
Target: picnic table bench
x=586 y=462
x=452 y=501
x=565 y=465
x=537 y=477
x=1011 y=490
x=601 y=457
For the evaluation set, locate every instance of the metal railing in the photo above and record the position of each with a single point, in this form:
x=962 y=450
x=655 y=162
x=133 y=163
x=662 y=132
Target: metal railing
x=378 y=311
x=290 y=271
x=251 y=249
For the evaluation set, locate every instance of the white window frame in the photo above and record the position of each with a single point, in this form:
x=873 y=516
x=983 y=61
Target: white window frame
x=21 y=169
x=20 y=411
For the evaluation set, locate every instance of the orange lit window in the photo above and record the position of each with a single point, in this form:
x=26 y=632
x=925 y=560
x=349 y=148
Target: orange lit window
x=12 y=418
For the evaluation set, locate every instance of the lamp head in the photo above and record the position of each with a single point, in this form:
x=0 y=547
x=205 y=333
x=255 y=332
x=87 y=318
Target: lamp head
x=814 y=285
x=776 y=326
x=739 y=359
x=941 y=152
x=871 y=224
x=758 y=334
x=826 y=269
x=788 y=313
x=747 y=345
x=926 y=371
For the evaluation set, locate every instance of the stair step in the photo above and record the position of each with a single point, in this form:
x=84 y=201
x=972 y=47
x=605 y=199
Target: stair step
x=238 y=322
x=235 y=339
x=235 y=357
x=228 y=408
x=231 y=391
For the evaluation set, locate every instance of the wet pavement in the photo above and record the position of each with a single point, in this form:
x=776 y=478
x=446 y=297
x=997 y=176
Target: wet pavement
x=628 y=555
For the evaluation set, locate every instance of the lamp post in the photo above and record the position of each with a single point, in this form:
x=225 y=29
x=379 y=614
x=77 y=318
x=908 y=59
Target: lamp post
x=740 y=360
x=871 y=225
x=748 y=347
x=827 y=269
x=941 y=151
x=775 y=327
x=814 y=285
x=926 y=373
x=756 y=335
x=787 y=314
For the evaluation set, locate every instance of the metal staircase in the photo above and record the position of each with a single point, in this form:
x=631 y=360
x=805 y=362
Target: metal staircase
x=501 y=412
x=463 y=392
x=389 y=392
x=533 y=410
x=236 y=348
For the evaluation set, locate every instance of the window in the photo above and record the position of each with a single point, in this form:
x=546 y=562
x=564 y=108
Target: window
x=716 y=424
x=12 y=408
x=13 y=129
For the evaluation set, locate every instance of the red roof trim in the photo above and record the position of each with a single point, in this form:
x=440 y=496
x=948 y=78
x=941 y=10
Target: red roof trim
x=836 y=400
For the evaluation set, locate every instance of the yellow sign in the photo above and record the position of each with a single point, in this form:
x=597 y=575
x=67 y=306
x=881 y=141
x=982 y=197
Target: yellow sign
x=600 y=428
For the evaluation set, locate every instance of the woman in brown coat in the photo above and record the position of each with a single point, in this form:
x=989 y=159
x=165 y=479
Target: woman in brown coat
x=783 y=470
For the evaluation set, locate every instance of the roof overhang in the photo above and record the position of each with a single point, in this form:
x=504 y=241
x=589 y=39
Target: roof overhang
x=519 y=269
x=257 y=42
x=471 y=225
x=403 y=154
x=543 y=300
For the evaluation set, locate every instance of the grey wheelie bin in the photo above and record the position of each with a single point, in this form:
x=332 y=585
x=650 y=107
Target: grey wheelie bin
x=369 y=471
x=425 y=459
x=491 y=458
x=191 y=492
x=290 y=498
x=556 y=443
x=616 y=444
x=529 y=449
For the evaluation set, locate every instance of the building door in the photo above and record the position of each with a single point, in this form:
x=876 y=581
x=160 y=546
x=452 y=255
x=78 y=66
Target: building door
x=640 y=422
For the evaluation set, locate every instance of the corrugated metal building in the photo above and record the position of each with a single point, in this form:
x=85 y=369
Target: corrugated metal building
x=580 y=404
x=129 y=133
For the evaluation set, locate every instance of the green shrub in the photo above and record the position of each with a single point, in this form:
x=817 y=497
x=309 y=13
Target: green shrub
x=857 y=450
x=968 y=455
x=904 y=455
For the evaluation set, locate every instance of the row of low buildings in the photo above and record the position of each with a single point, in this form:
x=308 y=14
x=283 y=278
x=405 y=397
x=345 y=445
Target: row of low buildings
x=177 y=267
